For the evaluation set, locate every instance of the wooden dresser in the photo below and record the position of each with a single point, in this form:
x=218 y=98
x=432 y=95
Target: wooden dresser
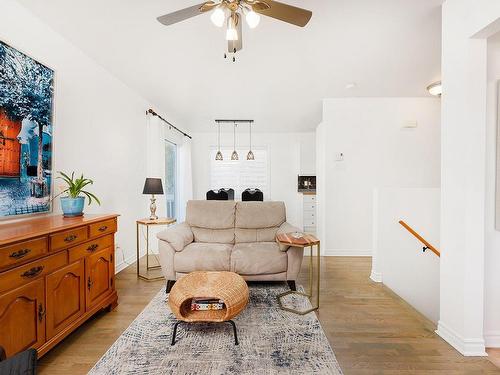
x=55 y=273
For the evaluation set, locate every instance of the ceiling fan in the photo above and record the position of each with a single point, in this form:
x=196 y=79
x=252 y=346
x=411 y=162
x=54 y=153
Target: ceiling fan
x=230 y=12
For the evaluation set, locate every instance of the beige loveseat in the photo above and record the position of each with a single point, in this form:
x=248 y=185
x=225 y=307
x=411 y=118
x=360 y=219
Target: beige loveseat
x=230 y=236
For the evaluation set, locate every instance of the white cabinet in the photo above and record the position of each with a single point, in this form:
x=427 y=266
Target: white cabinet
x=309 y=213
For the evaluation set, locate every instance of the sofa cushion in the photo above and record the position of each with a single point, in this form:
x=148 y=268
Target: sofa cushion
x=213 y=235
x=210 y=214
x=255 y=235
x=203 y=257
x=253 y=215
x=258 y=258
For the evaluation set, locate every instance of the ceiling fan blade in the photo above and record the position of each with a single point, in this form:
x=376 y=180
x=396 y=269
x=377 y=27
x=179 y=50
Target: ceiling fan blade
x=184 y=14
x=285 y=12
x=236 y=45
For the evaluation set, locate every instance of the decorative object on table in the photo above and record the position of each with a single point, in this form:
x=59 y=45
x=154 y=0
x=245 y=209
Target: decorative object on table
x=228 y=287
x=207 y=303
x=230 y=13
x=72 y=204
x=26 y=124
x=153 y=186
x=304 y=240
x=234 y=155
x=148 y=223
x=252 y=195
x=271 y=342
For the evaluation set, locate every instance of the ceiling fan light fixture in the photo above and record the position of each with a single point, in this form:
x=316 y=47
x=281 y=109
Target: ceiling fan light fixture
x=218 y=17
x=231 y=32
x=435 y=89
x=253 y=19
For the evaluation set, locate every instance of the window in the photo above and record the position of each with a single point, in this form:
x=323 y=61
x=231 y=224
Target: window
x=171 y=178
x=240 y=174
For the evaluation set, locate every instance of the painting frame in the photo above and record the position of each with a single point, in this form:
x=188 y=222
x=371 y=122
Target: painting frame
x=52 y=108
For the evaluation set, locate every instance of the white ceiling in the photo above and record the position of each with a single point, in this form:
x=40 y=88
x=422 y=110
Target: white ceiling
x=387 y=47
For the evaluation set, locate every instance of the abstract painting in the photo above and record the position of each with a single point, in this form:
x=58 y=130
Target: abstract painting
x=26 y=120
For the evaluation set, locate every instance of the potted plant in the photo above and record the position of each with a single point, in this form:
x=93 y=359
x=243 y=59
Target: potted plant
x=72 y=204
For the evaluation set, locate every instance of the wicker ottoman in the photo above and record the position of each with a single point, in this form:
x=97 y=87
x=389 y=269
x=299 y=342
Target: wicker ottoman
x=227 y=286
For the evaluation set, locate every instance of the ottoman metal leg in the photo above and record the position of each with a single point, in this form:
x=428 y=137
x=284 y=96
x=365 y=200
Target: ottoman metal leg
x=174 y=333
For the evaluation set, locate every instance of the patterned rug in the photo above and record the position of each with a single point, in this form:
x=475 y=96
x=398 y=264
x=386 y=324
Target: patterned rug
x=272 y=341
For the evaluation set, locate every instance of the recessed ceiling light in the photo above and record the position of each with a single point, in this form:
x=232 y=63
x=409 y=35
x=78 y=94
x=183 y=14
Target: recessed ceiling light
x=435 y=89
x=350 y=85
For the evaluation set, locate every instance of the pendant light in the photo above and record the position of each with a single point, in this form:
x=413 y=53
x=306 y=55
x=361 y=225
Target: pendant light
x=250 y=155
x=234 y=155
x=218 y=156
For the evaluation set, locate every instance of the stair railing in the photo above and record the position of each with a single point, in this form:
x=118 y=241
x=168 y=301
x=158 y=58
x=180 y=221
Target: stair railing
x=427 y=245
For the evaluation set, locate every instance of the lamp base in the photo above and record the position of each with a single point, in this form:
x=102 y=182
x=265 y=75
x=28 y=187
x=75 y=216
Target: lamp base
x=152 y=208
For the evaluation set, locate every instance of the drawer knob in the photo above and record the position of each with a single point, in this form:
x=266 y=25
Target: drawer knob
x=92 y=247
x=70 y=238
x=103 y=228
x=20 y=254
x=35 y=271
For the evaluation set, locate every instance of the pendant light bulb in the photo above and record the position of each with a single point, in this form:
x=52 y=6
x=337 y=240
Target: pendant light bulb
x=250 y=155
x=231 y=33
x=218 y=17
x=234 y=155
x=253 y=19
x=218 y=156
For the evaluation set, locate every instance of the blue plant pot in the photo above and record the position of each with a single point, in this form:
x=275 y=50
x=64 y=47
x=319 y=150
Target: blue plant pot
x=72 y=206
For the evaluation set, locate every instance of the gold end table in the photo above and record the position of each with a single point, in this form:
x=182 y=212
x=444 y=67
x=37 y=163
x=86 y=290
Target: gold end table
x=306 y=240
x=147 y=223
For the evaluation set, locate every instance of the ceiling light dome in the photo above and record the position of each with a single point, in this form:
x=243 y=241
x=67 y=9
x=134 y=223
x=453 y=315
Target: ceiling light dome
x=435 y=89
x=218 y=17
x=253 y=19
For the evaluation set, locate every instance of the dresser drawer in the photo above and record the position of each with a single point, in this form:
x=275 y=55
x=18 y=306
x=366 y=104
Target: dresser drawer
x=309 y=198
x=68 y=238
x=90 y=247
x=309 y=222
x=309 y=206
x=103 y=227
x=22 y=251
x=38 y=268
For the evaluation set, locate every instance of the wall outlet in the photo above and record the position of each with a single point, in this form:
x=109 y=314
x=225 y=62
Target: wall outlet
x=410 y=124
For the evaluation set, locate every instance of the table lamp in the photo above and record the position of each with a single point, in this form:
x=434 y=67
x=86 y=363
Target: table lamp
x=153 y=186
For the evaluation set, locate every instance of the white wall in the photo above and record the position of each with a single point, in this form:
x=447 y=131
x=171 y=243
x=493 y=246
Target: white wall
x=466 y=25
x=492 y=240
x=398 y=258
x=285 y=151
x=99 y=127
x=378 y=152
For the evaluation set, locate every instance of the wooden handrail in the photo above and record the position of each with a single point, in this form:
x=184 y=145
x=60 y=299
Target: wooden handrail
x=420 y=238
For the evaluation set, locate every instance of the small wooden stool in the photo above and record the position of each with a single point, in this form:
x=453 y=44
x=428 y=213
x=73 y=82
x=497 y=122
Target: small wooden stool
x=227 y=286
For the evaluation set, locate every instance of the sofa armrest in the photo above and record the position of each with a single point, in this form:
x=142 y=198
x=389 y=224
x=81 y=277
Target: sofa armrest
x=286 y=228
x=178 y=236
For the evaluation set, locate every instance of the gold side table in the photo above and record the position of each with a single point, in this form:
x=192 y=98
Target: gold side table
x=147 y=223
x=306 y=240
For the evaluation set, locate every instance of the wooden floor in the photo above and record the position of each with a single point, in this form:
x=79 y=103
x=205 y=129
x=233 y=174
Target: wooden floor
x=371 y=330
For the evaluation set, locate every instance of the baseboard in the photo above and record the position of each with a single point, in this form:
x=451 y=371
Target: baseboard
x=376 y=276
x=492 y=339
x=124 y=263
x=466 y=347
x=347 y=252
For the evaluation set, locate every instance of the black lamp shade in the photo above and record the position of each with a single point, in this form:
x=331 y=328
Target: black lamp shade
x=153 y=186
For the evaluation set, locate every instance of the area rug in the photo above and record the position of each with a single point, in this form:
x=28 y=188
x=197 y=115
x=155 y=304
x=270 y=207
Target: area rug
x=271 y=341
